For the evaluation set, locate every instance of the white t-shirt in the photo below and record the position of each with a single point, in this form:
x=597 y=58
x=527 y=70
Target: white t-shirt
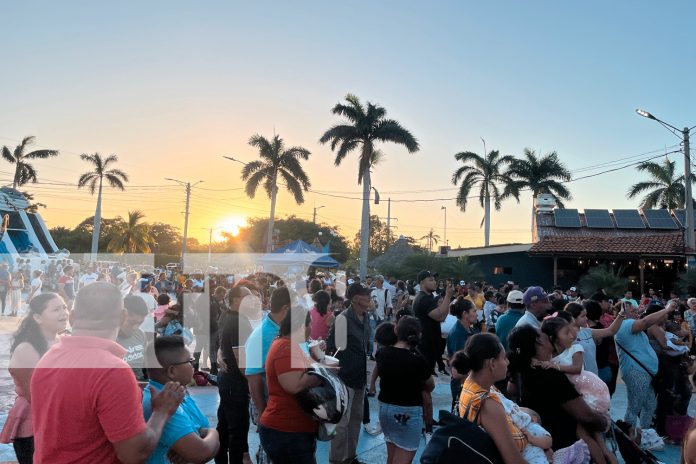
x=566 y=358
x=36 y=284
x=88 y=279
x=382 y=299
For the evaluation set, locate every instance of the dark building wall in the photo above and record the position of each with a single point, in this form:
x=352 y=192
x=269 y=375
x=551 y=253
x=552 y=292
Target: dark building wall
x=518 y=267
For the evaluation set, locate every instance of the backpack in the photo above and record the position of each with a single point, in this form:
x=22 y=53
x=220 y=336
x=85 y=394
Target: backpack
x=458 y=440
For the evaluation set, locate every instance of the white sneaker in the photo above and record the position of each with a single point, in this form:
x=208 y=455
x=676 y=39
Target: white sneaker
x=651 y=441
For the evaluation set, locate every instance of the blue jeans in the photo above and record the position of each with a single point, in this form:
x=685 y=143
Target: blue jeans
x=288 y=447
x=374 y=322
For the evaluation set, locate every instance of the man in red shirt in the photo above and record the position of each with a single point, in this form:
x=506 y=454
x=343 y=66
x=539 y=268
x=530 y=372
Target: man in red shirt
x=86 y=403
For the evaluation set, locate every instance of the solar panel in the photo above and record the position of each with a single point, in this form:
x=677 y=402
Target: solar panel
x=628 y=219
x=681 y=217
x=598 y=219
x=566 y=218
x=659 y=219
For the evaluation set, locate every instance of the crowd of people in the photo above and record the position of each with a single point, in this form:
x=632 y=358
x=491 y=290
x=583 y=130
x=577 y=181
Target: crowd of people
x=114 y=350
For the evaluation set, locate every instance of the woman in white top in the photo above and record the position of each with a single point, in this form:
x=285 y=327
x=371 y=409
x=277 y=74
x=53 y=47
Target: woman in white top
x=16 y=287
x=36 y=285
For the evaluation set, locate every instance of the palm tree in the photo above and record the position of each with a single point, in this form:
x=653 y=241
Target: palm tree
x=431 y=237
x=276 y=161
x=115 y=178
x=25 y=172
x=488 y=172
x=540 y=174
x=131 y=236
x=364 y=127
x=664 y=190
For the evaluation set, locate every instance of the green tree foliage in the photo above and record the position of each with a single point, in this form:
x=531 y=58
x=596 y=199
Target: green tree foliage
x=290 y=229
x=664 y=189
x=24 y=171
x=539 y=174
x=379 y=238
x=687 y=282
x=603 y=277
x=447 y=268
x=167 y=238
x=131 y=236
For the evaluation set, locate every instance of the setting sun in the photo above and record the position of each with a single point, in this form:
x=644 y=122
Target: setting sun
x=230 y=225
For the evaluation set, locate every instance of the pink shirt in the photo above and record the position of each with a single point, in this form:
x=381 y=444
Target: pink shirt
x=319 y=329
x=160 y=311
x=84 y=398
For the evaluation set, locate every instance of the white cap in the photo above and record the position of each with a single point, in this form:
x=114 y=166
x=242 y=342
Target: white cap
x=515 y=296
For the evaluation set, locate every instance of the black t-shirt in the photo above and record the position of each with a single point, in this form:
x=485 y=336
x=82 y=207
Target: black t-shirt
x=235 y=330
x=402 y=373
x=423 y=304
x=544 y=391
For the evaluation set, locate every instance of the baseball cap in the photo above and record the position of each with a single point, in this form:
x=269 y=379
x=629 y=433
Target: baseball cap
x=356 y=288
x=573 y=289
x=422 y=275
x=515 y=296
x=534 y=294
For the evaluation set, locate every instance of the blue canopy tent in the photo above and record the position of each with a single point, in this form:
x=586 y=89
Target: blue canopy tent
x=299 y=252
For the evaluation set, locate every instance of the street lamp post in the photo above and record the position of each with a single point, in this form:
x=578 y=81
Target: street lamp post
x=684 y=135
x=445 y=208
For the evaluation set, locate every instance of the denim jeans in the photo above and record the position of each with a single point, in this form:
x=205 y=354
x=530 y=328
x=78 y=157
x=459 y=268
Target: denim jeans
x=288 y=447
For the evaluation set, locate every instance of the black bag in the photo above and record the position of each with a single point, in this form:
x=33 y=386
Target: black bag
x=458 y=440
x=654 y=380
x=630 y=451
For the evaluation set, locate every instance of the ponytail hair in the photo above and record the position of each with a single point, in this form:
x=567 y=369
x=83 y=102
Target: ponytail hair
x=408 y=330
x=478 y=349
x=29 y=330
x=522 y=343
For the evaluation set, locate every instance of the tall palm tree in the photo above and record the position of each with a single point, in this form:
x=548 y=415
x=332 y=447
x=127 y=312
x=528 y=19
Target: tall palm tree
x=431 y=237
x=540 y=174
x=94 y=178
x=276 y=161
x=25 y=172
x=132 y=236
x=489 y=172
x=364 y=126
x=664 y=189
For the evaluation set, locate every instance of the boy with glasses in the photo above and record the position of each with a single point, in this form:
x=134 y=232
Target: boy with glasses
x=187 y=436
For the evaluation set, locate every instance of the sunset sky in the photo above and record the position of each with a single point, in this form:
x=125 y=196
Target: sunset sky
x=171 y=86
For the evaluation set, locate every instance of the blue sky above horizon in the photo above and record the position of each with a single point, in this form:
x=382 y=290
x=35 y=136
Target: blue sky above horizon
x=172 y=86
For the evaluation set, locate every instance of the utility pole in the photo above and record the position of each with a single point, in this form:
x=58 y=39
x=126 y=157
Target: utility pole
x=210 y=241
x=690 y=239
x=314 y=216
x=683 y=134
x=445 y=208
x=389 y=220
x=188 y=186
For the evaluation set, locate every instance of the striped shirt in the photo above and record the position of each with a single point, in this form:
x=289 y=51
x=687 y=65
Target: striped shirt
x=472 y=394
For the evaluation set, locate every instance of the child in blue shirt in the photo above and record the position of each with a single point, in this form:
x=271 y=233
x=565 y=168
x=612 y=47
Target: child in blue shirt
x=187 y=435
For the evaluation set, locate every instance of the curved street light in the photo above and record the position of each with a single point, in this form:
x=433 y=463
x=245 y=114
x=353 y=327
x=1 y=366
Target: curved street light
x=683 y=134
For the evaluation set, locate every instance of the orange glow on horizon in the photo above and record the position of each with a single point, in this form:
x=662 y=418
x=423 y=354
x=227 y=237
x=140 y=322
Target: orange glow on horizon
x=229 y=225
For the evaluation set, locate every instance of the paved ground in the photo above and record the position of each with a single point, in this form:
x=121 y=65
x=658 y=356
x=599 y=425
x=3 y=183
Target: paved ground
x=370 y=449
